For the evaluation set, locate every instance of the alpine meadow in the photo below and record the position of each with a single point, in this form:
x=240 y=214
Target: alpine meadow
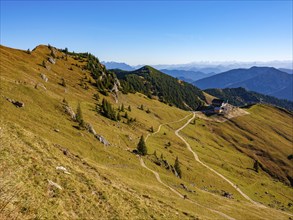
x=128 y=113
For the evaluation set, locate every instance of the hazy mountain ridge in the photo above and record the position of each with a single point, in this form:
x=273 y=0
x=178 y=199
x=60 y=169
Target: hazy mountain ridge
x=265 y=80
x=117 y=65
x=187 y=75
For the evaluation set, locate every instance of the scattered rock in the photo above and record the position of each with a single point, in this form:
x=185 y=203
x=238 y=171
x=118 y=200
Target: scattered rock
x=40 y=85
x=227 y=195
x=16 y=103
x=56 y=130
x=51 y=60
x=65 y=151
x=44 y=77
x=51 y=183
x=62 y=169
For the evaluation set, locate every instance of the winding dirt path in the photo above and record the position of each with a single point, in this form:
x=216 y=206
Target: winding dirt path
x=172 y=189
x=220 y=175
x=211 y=169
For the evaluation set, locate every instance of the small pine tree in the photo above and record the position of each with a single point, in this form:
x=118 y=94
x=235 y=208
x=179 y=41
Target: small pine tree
x=129 y=108
x=96 y=96
x=141 y=107
x=63 y=83
x=118 y=116
x=155 y=154
x=141 y=146
x=28 y=51
x=122 y=107
x=79 y=117
x=126 y=115
x=52 y=54
x=256 y=166
x=177 y=167
x=44 y=63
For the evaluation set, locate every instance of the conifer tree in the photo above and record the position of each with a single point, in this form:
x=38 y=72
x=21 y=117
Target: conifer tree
x=52 y=54
x=118 y=116
x=79 y=116
x=129 y=108
x=256 y=166
x=177 y=167
x=141 y=146
x=122 y=107
x=126 y=115
x=63 y=83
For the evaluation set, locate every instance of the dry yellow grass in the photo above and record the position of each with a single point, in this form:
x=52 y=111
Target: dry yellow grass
x=108 y=182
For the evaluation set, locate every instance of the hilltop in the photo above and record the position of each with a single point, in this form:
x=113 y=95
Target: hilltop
x=57 y=165
x=163 y=87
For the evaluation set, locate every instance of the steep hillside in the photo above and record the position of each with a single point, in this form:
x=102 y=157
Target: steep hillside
x=167 y=89
x=264 y=80
x=241 y=97
x=56 y=166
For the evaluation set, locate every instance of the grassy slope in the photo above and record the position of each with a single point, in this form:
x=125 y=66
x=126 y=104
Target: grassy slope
x=258 y=136
x=104 y=181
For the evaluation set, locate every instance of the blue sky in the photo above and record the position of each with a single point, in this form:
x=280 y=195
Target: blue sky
x=154 y=32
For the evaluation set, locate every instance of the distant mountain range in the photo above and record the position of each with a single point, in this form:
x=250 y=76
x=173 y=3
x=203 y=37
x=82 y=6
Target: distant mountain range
x=187 y=75
x=242 y=97
x=265 y=80
x=206 y=67
x=289 y=71
x=116 y=65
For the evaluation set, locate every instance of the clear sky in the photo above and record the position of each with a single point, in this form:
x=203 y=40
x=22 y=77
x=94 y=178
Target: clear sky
x=154 y=32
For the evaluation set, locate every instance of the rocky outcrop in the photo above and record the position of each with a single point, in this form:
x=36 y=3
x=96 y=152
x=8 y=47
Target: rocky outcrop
x=90 y=128
x=51 y=60
x=44 y=77
x=51 y=183
x=68 y=110
x=115 y=89
x=18 y=104
x=102 y=140
x=63 y=169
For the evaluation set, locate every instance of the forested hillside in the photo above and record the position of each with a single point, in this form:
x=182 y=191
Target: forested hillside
x=156 y=84
x=240 y=97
